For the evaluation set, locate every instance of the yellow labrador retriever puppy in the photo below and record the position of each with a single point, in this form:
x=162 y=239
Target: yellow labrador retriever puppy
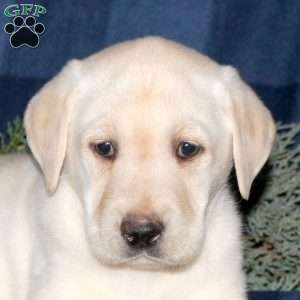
x=135 y=144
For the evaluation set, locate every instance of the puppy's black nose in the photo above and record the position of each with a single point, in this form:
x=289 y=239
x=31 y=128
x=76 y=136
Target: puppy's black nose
x=141 y=232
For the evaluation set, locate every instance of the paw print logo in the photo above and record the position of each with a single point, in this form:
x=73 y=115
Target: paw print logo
x=24 y=31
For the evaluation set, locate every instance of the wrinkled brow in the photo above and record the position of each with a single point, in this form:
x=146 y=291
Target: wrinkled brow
x=99 y=126
x=193 y=130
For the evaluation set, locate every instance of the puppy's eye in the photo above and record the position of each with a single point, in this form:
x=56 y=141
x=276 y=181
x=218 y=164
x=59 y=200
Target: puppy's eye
x=187 y=150
x=105 y=149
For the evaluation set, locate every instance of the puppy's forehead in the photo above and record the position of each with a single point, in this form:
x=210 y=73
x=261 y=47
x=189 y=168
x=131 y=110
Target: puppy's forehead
x=149 y=81
x=159 y=99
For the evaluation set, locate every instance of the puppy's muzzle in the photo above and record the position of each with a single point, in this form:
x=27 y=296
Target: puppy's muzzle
x=141 y=232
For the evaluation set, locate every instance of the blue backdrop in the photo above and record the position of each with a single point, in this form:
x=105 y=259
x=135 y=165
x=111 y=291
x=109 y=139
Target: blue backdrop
x=260 y=38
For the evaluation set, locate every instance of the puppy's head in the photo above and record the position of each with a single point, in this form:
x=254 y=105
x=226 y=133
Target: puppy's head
x=146 y=133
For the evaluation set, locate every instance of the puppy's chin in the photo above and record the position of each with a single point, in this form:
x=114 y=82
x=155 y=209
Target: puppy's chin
x=146 y=262
x=138 y=262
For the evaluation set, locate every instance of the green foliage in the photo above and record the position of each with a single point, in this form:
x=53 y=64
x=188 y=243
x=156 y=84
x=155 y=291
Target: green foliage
x=272 y=224
x=14 y=139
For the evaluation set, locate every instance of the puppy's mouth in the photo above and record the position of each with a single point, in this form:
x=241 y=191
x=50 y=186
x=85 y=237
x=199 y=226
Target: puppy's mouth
x=146 y=259
x=150 y=259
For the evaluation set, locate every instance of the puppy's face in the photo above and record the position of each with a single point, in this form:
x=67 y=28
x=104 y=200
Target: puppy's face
x=146 y=132
x=150 y=159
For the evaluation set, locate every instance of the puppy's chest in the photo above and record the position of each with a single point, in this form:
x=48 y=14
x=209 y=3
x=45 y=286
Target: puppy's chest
x=116 y=285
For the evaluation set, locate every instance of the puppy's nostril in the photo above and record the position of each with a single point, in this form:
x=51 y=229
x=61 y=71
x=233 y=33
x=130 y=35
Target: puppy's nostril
x=141 y=235
x=141 y=232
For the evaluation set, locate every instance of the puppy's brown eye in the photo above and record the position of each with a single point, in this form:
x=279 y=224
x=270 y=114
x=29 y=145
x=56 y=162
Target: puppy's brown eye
x=186 y=150
x=105 y=149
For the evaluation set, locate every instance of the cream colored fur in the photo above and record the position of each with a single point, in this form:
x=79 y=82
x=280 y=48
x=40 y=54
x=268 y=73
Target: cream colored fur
x=60 y=237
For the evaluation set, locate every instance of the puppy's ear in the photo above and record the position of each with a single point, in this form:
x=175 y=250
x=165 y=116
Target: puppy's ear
x=46 y=122
x=253 y=129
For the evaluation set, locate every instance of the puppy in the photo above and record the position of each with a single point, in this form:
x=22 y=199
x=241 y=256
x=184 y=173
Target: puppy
x=127 y=196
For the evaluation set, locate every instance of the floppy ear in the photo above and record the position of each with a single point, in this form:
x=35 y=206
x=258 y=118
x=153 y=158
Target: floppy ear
x=46 y=122
x=253 y=129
